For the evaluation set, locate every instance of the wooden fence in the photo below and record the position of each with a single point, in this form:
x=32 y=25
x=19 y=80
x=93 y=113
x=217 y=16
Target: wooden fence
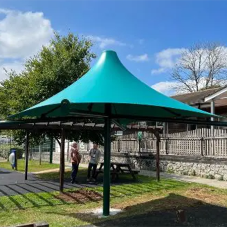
x=200 y=142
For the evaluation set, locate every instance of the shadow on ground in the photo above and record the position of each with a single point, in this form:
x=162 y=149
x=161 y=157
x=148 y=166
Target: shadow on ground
x=82 y=177
x=38 y=192
x=162 y=212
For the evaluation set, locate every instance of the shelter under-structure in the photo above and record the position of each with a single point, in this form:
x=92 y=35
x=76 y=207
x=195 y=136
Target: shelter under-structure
x=94 y=97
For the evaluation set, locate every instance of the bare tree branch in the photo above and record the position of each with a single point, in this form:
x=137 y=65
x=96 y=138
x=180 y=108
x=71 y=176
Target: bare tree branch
x=201 y=67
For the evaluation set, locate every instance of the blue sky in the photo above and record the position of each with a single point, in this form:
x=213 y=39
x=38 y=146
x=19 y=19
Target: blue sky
x=148 y=35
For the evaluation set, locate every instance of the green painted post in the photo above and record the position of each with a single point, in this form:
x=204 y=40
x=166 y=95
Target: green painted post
x=140 y=136
x=62 y=160
x=51 y=149
x=26 y=155
x=106 y=180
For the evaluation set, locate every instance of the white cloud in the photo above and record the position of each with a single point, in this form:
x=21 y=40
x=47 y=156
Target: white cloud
x=158 y=71
x=138 y=58
x=166 y=87
x=23 y=33
x=170 y=88
x=104 y=42
x=16 y=66
x=166 y=59
x=5 y=11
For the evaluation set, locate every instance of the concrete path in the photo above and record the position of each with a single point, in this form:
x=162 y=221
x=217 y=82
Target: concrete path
x=210 y=182
x=13 y=183
x=50 y=170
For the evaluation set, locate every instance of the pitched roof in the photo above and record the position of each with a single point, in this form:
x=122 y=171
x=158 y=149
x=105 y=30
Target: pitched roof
x=195 y=97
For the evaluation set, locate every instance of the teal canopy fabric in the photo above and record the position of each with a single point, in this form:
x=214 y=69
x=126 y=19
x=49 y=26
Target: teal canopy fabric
x=109 y=82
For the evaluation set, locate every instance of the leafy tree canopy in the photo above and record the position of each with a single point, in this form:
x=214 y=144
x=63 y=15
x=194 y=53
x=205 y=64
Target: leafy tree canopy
x=55 y=67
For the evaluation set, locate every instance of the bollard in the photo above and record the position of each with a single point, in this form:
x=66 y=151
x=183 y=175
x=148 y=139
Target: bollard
x=43 y=224
x=181 y=216
x=13 y=158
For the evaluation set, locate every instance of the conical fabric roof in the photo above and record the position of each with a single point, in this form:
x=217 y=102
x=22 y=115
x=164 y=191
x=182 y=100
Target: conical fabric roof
x=109 y=82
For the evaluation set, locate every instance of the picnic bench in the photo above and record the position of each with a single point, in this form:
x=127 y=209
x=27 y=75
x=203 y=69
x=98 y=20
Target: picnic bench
x=117 y=169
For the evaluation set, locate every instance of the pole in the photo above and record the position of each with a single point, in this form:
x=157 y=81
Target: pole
x=119 y=148
x=10 y=146
x=26 y=155
x=156 y=133
x=15 y=152
x=51 y=149
x=68 y=152
x=40 y=154
x=139 y=144
x=62 y=160
x=212 y=108
x=107 y=148
x=157 y=161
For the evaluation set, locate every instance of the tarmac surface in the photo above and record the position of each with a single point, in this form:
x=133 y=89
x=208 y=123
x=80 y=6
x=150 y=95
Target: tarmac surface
x=13 y=183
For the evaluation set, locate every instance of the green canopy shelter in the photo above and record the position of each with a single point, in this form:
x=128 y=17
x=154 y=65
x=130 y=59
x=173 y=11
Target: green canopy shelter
x=109 y=91
x=109 y=82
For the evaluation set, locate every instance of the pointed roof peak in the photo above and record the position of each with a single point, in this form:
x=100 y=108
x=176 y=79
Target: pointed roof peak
x=109 y=51
x=109 y=54
x=109 y=57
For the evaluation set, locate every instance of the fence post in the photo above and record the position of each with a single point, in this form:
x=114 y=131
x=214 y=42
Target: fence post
x=205 y=146
x=139 y=144
x=51 y=149
x=40 y=154
x=167 y=139
x=213 y=149
x=201 y=148
x=158 y=158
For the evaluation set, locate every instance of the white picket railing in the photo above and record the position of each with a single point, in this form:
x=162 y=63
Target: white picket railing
x=200 y=142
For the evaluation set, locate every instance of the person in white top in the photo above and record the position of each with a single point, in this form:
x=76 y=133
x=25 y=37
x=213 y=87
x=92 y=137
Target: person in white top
x=94 y=160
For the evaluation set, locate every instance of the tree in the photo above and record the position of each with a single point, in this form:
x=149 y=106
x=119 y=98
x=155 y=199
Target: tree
x=201 y=67
x=55 y=67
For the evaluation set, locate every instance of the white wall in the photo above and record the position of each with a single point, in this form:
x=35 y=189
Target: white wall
x=82 y=146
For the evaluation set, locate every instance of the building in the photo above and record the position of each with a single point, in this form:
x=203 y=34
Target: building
x=213 y=100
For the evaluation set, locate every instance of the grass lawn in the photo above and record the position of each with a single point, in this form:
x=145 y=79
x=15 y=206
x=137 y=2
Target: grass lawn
x=33 y=165
x=140 y=200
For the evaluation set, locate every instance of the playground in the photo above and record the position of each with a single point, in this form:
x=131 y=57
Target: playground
x=143 y=202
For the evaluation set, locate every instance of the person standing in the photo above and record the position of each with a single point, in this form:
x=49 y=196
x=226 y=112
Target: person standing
x=75 y=159
x=94 y=160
